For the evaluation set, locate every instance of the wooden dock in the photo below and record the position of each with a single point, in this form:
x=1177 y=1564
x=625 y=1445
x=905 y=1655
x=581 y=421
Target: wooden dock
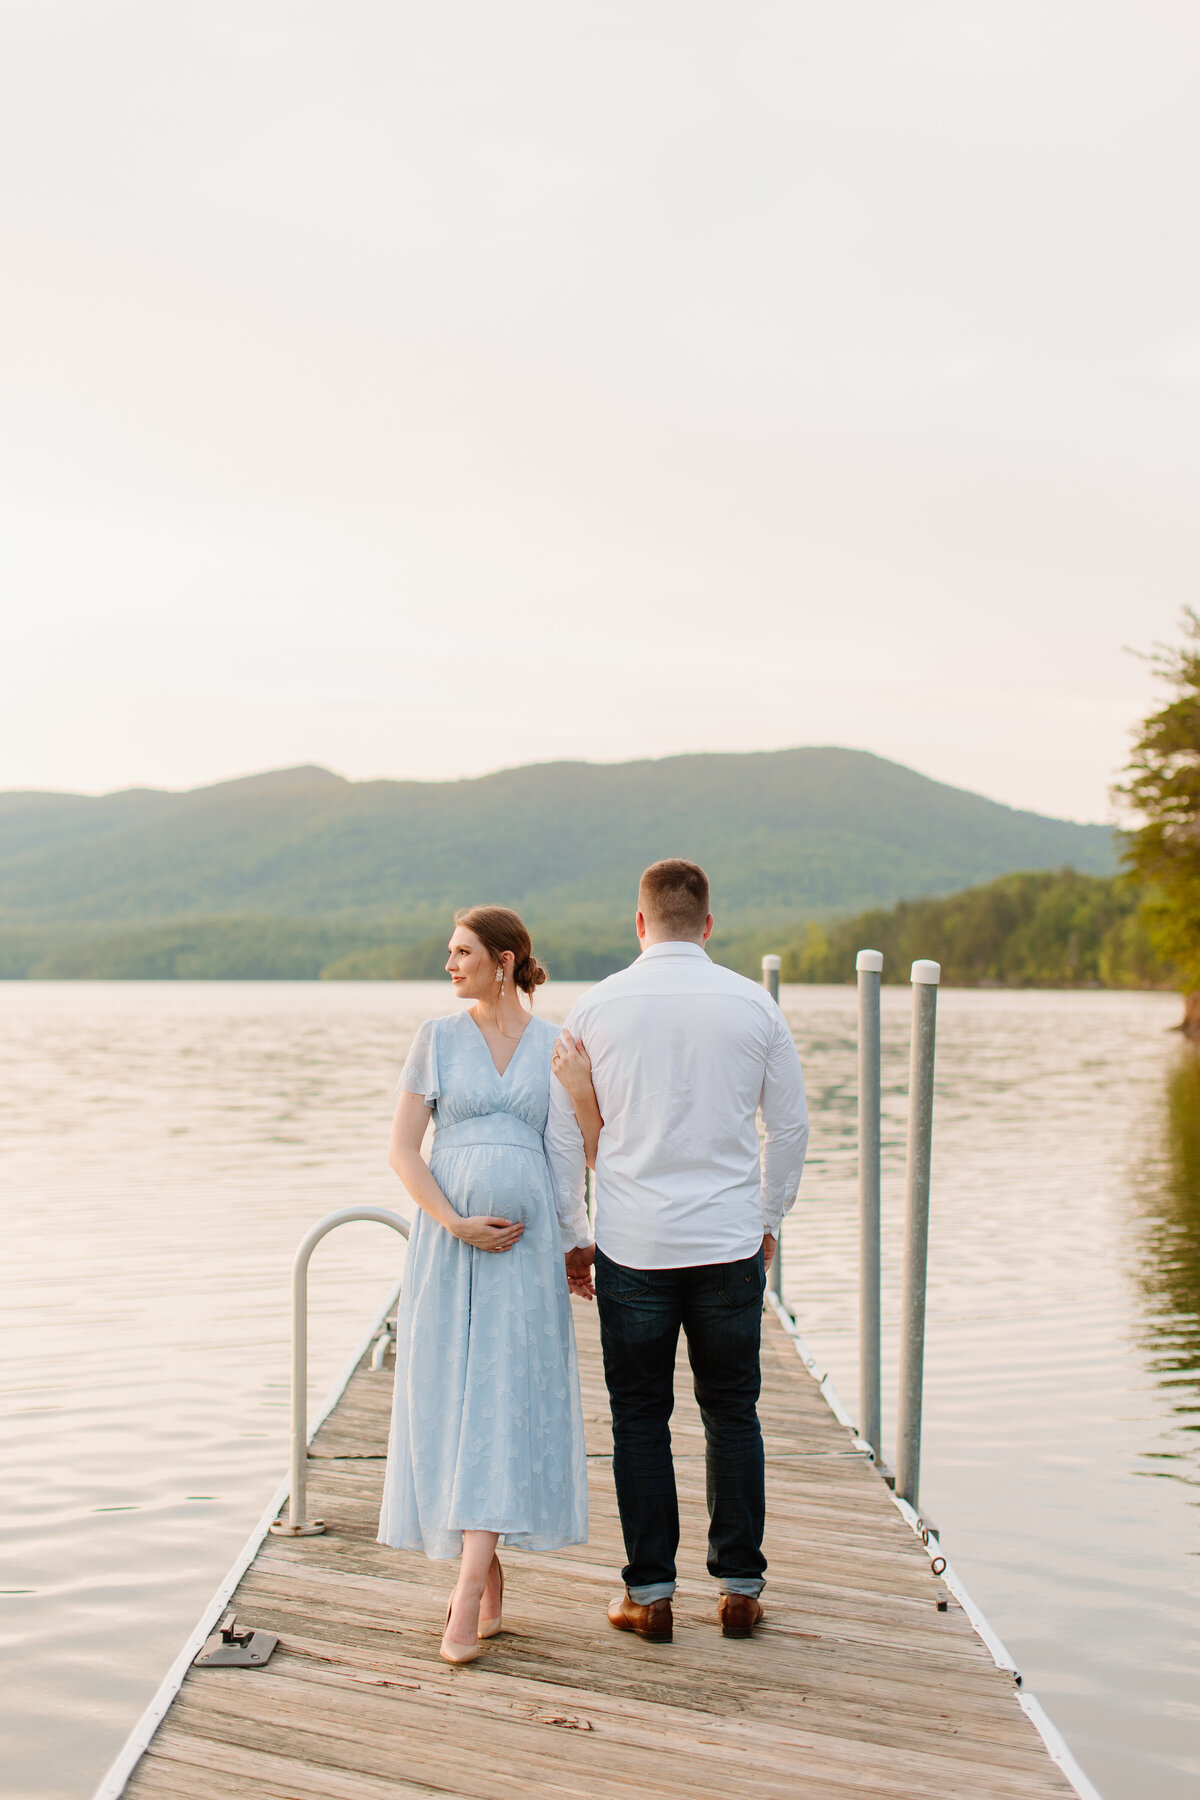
x=855 y=1685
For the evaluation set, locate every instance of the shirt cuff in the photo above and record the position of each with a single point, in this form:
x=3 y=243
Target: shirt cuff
x=577 y=1234
x=775 y=1209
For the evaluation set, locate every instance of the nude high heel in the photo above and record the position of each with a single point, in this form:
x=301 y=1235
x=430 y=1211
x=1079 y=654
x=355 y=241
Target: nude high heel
x=490 y=1628
x=454 y=1653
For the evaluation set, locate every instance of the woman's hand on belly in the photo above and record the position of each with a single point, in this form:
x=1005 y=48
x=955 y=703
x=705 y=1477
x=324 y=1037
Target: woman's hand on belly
x=487 y=1233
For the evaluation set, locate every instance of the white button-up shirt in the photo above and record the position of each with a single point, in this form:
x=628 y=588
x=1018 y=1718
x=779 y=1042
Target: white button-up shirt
x=684 y=1053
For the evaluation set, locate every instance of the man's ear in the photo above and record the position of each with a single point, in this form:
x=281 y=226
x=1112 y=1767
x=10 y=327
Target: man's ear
x=639 y=924
x=708 y=925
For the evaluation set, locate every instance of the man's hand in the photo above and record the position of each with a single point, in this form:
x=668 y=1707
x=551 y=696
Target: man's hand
x=579 y=1271
x=769 y=1244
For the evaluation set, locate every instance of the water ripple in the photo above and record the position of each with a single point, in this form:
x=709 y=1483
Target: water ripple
x=165 y=1145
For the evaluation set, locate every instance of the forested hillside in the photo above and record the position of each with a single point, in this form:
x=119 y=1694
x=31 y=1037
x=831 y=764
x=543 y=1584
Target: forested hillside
x=787 y=835
x=1025 y=930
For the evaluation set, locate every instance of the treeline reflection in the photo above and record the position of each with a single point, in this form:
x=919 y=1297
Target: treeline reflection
x=1169 y=1195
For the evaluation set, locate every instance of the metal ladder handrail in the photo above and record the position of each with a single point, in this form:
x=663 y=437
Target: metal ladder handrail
x=296 y=1525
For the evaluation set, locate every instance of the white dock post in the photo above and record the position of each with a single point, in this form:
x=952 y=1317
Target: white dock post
x=770 y=980
x=869 y=965
x=925 y=978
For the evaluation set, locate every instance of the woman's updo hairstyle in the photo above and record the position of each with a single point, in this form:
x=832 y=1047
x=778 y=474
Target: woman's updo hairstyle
x=498 y=929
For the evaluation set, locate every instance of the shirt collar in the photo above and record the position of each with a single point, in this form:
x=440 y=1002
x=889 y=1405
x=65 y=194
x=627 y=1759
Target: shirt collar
x=673 y=948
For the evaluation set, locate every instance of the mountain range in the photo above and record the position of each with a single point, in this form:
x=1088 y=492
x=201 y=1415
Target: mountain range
x=785 y=835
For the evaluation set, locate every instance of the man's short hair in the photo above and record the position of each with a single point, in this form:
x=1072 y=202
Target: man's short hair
x=673 y=896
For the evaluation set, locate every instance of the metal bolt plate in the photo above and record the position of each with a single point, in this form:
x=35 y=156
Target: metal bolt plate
x=251 y=1655
x=229 y=1648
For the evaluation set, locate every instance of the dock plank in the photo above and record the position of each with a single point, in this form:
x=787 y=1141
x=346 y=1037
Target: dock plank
x=855 y=1685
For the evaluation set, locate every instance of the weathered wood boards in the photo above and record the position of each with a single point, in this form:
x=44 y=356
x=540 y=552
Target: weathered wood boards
x=856 y=1685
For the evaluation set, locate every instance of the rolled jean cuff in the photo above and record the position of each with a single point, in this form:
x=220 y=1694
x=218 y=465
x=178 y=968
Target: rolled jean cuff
x=653 y=1590
x=742 y=1584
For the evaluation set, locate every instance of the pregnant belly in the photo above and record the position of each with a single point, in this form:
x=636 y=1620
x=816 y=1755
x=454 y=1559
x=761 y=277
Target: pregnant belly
x=503 y=1182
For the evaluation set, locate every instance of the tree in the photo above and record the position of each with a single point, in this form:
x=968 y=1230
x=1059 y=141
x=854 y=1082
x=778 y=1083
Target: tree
x=1163 y=790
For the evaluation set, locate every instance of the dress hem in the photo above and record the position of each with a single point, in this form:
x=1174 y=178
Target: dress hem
x=508 y=1541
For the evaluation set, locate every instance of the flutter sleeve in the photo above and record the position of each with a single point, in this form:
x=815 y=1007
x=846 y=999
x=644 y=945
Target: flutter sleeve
x=420 y=1072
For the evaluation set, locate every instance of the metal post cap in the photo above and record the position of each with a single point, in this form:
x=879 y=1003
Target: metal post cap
x=772 y=962
x=929 y=972
x=869 y=961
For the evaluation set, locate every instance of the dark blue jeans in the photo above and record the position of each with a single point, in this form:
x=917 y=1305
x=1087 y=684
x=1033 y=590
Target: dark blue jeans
x=719 y=1306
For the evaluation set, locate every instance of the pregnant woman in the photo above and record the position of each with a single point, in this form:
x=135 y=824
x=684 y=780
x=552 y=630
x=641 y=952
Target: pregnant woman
x=487 y=1424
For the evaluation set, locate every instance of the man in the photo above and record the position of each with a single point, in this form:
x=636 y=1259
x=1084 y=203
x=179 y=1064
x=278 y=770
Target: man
x=683 y=1055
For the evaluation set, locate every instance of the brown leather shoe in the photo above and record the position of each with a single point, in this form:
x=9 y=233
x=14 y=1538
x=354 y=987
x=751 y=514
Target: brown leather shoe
x=654 y=1622
x=738 y=1614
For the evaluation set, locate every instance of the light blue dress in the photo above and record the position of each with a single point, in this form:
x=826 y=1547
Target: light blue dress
x=487 y=1422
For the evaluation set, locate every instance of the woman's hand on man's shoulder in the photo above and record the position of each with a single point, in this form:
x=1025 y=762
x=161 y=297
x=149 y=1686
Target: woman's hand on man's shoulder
x=572 y=1064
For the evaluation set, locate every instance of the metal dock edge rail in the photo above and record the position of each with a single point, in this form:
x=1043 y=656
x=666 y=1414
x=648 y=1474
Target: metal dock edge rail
x=126 y=1760
x=939 y=1563
x=849 y=1655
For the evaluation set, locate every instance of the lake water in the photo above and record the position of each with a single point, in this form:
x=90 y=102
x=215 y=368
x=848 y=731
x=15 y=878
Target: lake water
x=164 y=1146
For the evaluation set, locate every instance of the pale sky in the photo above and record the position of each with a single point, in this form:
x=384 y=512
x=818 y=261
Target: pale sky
x=421 y=389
